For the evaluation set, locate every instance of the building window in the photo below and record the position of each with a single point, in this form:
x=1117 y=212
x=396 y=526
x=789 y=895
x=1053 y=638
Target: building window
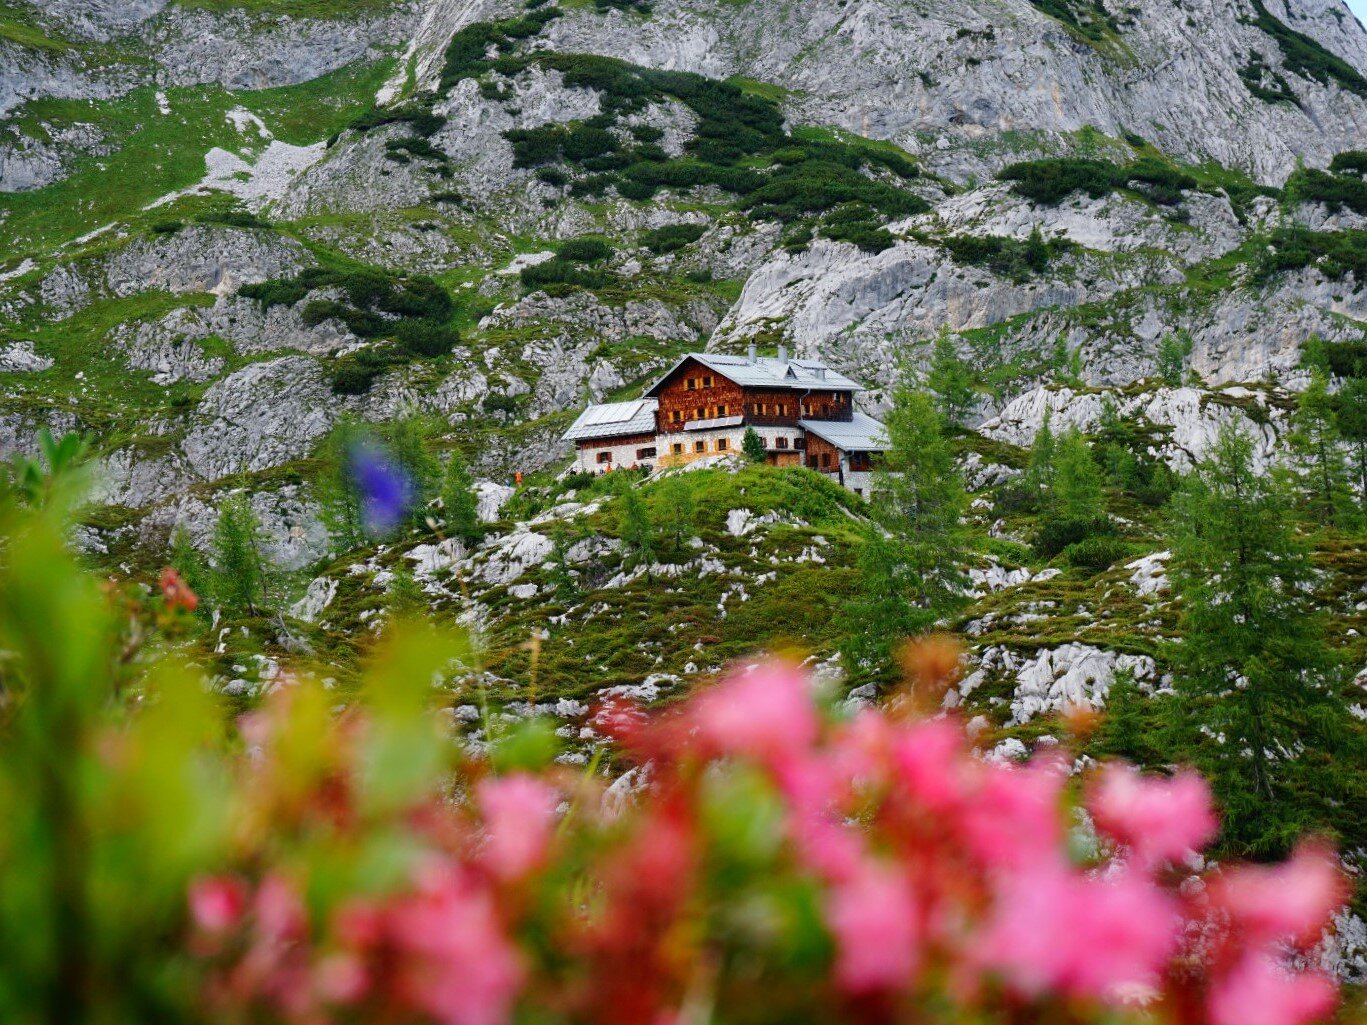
x=782 y=409
x=700 y=413
x=645 y=453
x=721 y=444
x=678 y=448
x=754 y=409
x=825 y=460
x=707 y=381
x=676 y=416
x=724 y=410
x=604 y=457
x=859 y=492
x=699 y=446
x=799 y=443
x=781 y=443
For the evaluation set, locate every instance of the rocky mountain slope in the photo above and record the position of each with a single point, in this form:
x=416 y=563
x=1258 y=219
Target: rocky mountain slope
x=230 y=229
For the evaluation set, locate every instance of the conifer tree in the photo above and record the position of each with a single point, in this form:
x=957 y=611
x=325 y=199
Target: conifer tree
x=459 y=504
x=634 y=528
x=1318 y=450
x=752 y=445
x=1255 y=677
x=404 y=598
x=1173 y=351
x=239 y=569
x=1352 y=421
x=1077 y=492
x=952 y=381
x=883 y=610
x=910 y=563
x=1040 y=473
x=675 y=513
x=407 y=444
x=189 y=563
x=336 y=492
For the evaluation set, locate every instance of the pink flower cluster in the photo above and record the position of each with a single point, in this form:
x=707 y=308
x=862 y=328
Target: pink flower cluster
x=937 y=878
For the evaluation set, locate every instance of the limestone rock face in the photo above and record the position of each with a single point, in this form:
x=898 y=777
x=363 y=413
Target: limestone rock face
x=261 y=416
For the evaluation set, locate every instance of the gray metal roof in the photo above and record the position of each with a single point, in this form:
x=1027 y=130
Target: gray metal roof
x=768 y=372
x=862 y=434
x=614 y=420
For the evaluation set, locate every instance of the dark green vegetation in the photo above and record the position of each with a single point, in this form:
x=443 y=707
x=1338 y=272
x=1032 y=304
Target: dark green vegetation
x=843 y=189
x=1008 y=257
x=1335 y=254
x=1051 y=181
x=413 y=313
x=1345 y=190
x=1087 y=17
x=1266 y=82
x=1306 y=57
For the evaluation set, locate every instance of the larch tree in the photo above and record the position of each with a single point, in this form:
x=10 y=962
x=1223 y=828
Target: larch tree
x=634 y=528
x=337 y=496
x=460 y=506
x=911 y=561
x=1256 y=681
x=1317 y=448
x=675 y=513
x=1352 y=421
x=1077 y=491
x=1041 y=470
x=952 y=381
x=239 y=568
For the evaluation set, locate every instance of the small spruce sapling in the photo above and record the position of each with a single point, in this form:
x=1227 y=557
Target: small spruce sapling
x=752 y=445
x=951 y=380
x=239 y=569
x=634 y=528
x=459 y=504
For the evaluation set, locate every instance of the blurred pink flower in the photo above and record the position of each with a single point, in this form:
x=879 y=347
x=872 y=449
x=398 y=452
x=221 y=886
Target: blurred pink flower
x=217 y=903
x=1056 y=929
x=1159 y=820
x=1013 y=818
x=1258 y=991
x=874 y=920
x=926 y=761
x=1291 y=901
x=456 y=963
x=766 y=714
x=519 y=815
x=280 y=913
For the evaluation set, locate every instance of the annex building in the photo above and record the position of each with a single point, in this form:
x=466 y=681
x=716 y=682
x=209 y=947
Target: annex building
x=802 y=410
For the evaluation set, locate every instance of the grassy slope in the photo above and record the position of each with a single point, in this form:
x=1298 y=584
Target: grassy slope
x=157 y=154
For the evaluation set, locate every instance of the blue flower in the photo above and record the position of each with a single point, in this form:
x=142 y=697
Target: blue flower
x=384 y=489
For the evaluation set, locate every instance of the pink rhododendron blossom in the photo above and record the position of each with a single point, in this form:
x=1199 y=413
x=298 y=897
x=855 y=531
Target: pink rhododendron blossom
x=1258 y=991
x=935 y=874
x=1056 y=929
x=873 y=916
x=924 y=759
x=766 y=714
x=1290 y=901
x=280 y=913
x=1013 y=818
x=1159 y=820
x=519 y=815
x=455 y=963
x=217 y=904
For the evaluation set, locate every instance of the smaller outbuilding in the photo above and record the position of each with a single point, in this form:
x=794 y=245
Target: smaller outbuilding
x=615 y=436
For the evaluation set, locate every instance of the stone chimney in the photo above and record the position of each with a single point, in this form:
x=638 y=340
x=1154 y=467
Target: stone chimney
x=753 y=353
x=783 y=355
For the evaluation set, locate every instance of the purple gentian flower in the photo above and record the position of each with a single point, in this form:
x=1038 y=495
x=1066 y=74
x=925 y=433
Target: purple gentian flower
x=384 y=489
